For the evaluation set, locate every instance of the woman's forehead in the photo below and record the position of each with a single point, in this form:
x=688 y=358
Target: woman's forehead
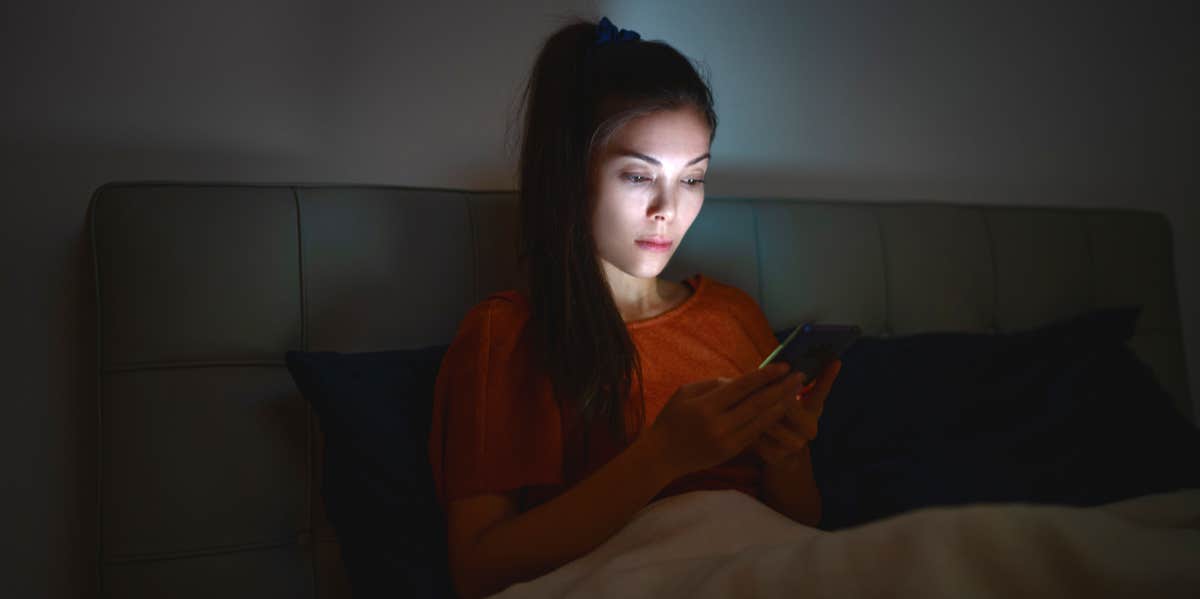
x=664 y=135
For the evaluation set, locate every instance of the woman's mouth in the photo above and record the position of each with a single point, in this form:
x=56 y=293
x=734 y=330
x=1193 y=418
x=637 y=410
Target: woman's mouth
x=654 y=245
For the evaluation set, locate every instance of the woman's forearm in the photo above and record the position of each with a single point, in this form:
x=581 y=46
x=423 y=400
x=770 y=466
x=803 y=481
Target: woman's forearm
x=566 y=527
x=789 y=488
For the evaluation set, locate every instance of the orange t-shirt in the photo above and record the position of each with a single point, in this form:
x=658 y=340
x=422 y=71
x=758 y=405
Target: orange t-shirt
x=497 y=427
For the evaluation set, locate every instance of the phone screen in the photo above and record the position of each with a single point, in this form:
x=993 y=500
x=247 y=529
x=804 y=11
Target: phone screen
x=811 y=346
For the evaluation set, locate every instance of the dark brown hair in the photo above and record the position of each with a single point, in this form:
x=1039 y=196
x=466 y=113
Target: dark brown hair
x=578 y=95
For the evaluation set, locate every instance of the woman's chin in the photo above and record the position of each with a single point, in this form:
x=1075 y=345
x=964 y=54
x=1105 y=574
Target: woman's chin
x=650 y=270
x=643 y=267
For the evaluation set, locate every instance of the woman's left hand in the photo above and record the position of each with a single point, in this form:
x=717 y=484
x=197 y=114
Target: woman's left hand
x=791 y=435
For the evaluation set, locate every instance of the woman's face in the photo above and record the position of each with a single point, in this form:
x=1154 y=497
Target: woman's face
x=647 y=184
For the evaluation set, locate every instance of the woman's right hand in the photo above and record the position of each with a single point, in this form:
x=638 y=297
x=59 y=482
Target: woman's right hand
x=709 y=422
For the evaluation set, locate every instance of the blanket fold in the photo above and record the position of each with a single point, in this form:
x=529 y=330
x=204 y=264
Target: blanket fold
x=710 y=544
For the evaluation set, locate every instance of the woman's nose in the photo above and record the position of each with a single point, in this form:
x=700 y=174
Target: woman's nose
x=663 y=207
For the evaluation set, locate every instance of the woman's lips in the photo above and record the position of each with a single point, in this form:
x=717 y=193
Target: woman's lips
x=655 y=246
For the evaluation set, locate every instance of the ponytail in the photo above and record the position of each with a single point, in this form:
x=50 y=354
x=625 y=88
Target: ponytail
x=577 y=96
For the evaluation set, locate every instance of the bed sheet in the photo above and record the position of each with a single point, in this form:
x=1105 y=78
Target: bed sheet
x=710 y=544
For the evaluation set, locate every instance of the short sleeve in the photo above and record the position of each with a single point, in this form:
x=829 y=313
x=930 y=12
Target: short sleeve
x=495 y=426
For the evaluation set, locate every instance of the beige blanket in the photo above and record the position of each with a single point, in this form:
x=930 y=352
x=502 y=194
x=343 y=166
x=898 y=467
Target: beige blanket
x=712 y=544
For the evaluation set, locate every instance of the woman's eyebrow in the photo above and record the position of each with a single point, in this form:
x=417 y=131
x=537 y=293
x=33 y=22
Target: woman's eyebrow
x=641 y=156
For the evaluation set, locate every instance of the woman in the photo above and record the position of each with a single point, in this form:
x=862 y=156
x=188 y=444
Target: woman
x=567 y=405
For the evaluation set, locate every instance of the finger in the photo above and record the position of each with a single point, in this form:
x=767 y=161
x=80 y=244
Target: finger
x=815 y=402
x=782 y=391
x=768 y=449
x=784 y=437
x=736 y=389
x=768 y=414
x=802 y=422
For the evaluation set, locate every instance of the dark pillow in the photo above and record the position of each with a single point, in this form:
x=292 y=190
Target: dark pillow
x=1065 y=413
x=374 y=410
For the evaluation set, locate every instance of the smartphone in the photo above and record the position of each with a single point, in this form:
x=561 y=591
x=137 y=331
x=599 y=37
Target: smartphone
x=811 y=346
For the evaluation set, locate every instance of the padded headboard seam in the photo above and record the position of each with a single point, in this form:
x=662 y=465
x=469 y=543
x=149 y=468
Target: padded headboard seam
x=309 y=422
x=887 y=271
x=474 y=249
x=991 y=244
x=758 y=252
x=1081 y=218
x=99 y=574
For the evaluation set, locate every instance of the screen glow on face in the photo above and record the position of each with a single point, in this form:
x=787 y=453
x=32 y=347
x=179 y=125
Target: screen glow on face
x=648 y=184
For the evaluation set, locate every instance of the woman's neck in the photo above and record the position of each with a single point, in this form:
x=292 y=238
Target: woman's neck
x=635 y=298
x=647 y=298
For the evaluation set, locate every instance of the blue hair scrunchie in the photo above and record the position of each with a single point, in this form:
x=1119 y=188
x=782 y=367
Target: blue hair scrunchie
x=607 y=32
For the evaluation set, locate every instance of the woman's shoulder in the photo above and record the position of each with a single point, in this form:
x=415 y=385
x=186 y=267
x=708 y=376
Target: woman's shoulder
x=727 y=295
x=491 y=336
x=512 y=299
x=741 y=307
x=501 y=312
x=511 y=306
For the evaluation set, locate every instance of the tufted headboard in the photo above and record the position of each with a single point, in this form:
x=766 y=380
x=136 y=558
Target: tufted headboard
x=208 y=456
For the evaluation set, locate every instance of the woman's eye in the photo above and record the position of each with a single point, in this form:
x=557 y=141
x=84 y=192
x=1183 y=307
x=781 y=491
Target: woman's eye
x=692 y=181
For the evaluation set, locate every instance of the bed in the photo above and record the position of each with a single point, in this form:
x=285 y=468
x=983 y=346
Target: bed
x=210 y=460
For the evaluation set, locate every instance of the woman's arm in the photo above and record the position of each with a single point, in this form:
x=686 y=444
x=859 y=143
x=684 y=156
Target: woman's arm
x=703 y=424
x=491 y=547
x=788 y=488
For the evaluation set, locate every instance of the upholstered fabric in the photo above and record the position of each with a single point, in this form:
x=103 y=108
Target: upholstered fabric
x=209 y=458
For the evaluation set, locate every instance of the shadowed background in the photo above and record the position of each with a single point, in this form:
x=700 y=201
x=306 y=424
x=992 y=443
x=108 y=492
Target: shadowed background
x=1041 y=103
